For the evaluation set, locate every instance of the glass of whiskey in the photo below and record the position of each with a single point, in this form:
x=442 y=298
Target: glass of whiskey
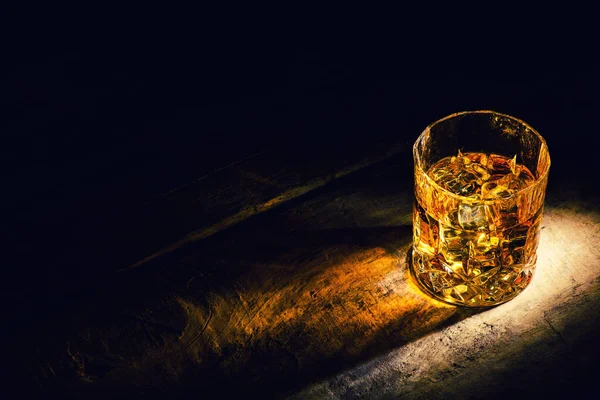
x=480 y=183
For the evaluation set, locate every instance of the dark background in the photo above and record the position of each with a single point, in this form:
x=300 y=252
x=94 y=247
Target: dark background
x=105 y=113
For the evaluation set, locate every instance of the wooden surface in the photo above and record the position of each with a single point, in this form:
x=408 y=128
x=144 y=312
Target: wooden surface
x=210 y=208
x=303 y=292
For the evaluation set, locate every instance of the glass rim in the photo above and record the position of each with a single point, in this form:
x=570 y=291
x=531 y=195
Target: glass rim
x=538 y=181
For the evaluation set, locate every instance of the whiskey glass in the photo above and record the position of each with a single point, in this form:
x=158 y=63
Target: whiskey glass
x=480 y=181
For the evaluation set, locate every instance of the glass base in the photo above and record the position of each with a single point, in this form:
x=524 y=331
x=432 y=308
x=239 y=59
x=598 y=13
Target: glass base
x=475 y=291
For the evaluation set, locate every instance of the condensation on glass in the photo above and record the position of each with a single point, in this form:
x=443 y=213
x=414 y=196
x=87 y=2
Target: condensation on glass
x=480 y=182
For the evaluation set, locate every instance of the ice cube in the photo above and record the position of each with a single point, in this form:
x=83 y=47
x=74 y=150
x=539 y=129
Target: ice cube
x=458 y=161
x=451 y=236
x=481 y=173
x=486 y=242
x=487 y=161
x=472 y=216
x=453 y=243
x=496 y=190
x=485 y=276
x=450 y=218
x=514 y=167
x=466 y=160
x=483 y=160
x=441 y=175
x=460 y=185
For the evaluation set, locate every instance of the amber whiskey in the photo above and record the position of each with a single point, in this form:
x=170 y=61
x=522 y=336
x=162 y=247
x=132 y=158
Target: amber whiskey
x=476 y=225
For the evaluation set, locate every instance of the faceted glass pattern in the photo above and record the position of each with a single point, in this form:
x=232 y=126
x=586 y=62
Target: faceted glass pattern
x=480 y=180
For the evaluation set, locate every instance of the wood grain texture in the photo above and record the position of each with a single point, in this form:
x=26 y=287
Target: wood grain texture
x=311 y=299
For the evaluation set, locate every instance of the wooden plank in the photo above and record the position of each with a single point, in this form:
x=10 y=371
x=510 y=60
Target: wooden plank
x=86 y=251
